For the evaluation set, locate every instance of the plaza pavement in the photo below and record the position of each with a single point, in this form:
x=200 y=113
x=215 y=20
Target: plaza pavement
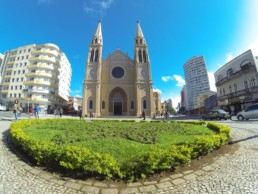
x=237 y=173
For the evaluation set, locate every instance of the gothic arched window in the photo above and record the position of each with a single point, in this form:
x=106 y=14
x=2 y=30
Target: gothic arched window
x=103 y=104
x=140 y=41
x=91 y=104
x=132 y=104
x=144 y=56
x=97 y=56
x=252 y=82
x=235 y=87
x=230 y=89
x=246 y=84
x=96 y=41
x=91 y=55
x=140 y=55
x=144 y=104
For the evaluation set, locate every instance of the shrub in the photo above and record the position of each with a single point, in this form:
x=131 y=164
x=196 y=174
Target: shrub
x=61 y=152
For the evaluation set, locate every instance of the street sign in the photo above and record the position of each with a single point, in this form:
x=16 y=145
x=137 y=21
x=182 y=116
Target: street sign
x=16 y=101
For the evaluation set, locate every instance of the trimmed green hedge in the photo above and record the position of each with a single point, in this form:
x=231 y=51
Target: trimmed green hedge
x=82 y=160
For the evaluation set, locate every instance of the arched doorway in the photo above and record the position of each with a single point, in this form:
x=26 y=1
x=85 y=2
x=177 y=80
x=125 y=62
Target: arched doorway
x=117 y=102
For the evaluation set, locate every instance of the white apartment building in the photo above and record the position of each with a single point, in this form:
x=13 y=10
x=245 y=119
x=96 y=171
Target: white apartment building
x=196 y=81
x=36 y=75
x=237 y=82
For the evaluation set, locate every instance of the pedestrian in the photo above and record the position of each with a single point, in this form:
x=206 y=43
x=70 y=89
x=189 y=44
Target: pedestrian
x=36 y=112
x=60 y=112
x=15 y=111
x=143 y=115
x=80 y=114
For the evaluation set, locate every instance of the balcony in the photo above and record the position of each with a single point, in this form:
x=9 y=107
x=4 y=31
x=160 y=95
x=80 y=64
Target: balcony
x=41 y=74
x=47 y=59
x=4 y=91
x=46 y=52
x=42 y=66
x=43 y=91
x=38 y=82
x=39 y=99
x=6 y=83
x=245 y=92
x=243 y=70
x=10 y=62
x=7 y=76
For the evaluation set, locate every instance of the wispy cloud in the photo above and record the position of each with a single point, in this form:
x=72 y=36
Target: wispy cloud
x=97 y=7
x=229 y=57
x=212 y=81
x=157 y=90
x=254 y=47
x=166 y=78
x=44 y=2
x=76 y=93
x=180 y=80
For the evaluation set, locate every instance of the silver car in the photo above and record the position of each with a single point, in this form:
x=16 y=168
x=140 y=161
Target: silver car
x=250 y=112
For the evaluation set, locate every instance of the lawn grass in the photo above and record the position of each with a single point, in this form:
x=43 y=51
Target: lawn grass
x=122 y=140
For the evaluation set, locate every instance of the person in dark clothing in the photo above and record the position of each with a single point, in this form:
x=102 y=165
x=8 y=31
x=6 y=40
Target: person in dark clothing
x=143 y=115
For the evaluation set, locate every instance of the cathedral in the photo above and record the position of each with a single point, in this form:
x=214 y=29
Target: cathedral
x=119 y=85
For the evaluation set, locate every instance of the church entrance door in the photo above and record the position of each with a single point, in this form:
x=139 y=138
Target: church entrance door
x=118 y=108
x=117 y=102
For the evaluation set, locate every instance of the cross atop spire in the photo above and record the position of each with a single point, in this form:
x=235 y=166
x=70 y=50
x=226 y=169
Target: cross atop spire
x=139 y=30
x=97 y=38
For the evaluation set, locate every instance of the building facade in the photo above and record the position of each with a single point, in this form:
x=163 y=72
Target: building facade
x=196 y=81
x=36 y=75
x=118 y=85
x=236 y=82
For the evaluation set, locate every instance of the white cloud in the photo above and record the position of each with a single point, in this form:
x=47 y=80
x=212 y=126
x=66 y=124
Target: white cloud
x=157 y=90
x=254 y=47
x=45 y=2
x=229 y=57
x=97 y=7
x=166 y=78
x=76 y=93
x=212 y=81
x=175 y=100
x=78 y=96
x=180 y=80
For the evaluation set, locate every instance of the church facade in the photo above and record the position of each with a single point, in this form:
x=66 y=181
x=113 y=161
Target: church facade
x=119 y=85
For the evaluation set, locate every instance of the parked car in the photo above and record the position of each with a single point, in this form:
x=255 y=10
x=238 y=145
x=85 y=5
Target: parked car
x=250 y=112
x=216 y=114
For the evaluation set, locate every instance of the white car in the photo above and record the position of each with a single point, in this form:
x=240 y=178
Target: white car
x=250 y=112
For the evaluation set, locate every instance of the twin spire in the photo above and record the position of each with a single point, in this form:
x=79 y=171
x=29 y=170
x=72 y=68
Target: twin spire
x=97 y=38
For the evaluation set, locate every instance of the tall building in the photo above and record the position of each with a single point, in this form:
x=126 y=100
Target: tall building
x=118 y=85
x=237 y=82
x=196 y=81
x=36 y=75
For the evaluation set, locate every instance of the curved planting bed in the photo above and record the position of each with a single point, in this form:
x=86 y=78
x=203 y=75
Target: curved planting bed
x=113 y=149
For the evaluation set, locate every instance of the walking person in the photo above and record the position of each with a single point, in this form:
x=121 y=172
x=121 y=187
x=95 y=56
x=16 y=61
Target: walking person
x=16 y=114
x=60 y=112
x=143 y=115
x=36 y=112
x=80 y=114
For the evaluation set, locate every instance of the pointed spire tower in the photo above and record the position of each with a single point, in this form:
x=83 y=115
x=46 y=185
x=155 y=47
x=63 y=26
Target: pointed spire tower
x=92 y=77
x=143 y=74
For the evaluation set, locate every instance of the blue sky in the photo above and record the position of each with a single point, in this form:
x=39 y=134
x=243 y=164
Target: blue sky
x=175 y=30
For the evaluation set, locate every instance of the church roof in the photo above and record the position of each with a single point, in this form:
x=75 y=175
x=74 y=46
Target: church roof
x=118 y=56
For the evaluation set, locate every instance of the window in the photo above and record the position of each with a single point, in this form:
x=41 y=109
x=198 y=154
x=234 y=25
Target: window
x=23 y=71
x=19 y=95
x=246 y=84
x=144 y=104
x=10 y=95
x=224 y=91
x=230 y=89
x=22 y=57
x=27 y=56
x=43 y=96
x=91 y=104
x=14 y=73
x=140 y=55
x=97 y=55
x=229 y=72
x=252 y=82
x=132 y=104
x=20 y=87
x=235 y=87
x=140 y=41
x=29 y=50
x=14 y=95
x=219 y=77
x=22 y=79
x=13 y=80
x=19 y=72
x=144 y=56
x=25 y=64
x=91 y=55
x=11 y=87
x=16 y=87
x=103 y=104
x=17 y=79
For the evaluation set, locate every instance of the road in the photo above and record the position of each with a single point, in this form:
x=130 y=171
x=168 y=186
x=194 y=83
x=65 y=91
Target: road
x=235 y=173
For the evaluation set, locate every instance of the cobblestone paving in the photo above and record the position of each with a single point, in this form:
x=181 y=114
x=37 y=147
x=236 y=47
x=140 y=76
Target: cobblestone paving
x=236 y=173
